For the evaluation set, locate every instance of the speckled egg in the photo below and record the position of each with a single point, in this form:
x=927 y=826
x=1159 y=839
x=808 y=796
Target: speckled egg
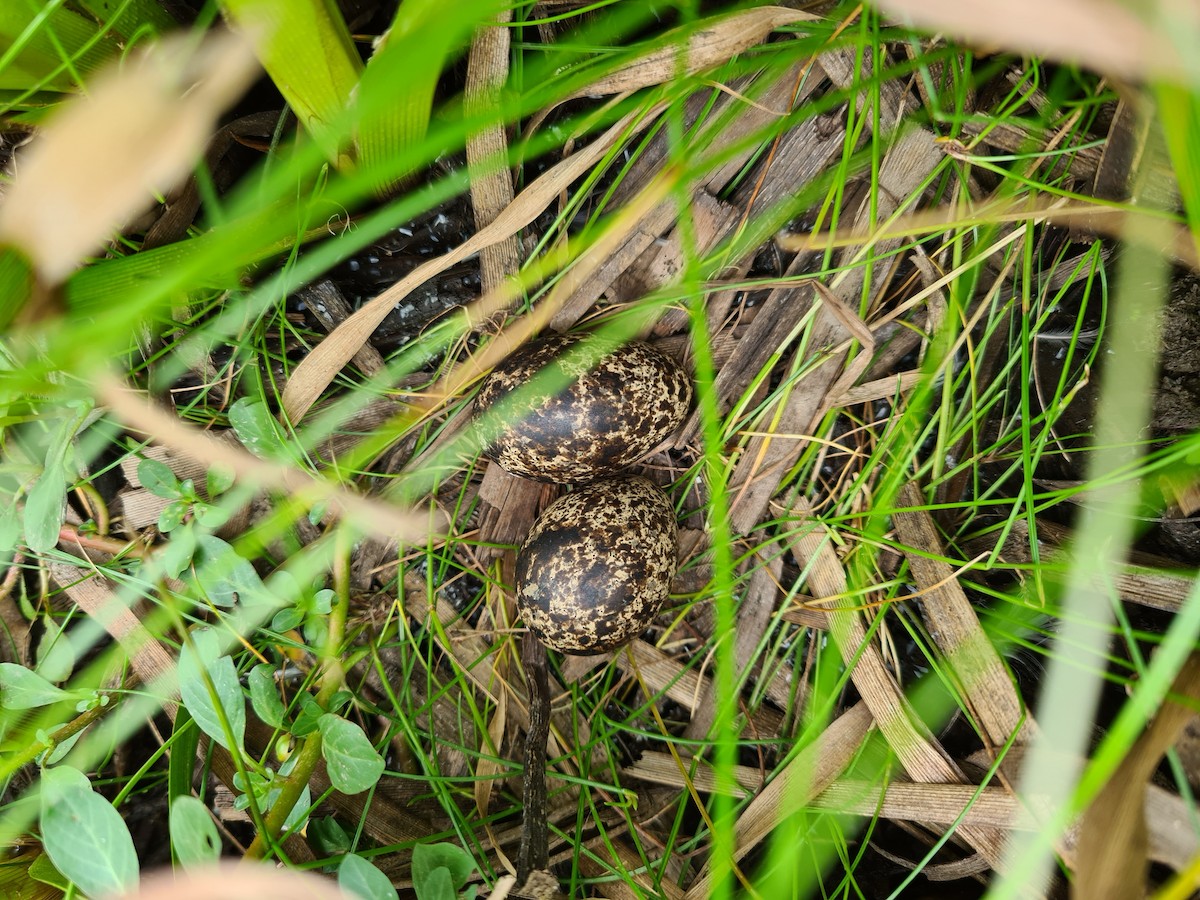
x=597 y=565
x=570 y=409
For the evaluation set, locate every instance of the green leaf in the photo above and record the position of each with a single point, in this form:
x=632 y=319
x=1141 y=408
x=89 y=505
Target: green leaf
x=42 y=870
x=157 y=477
x=299 y=811
x=264 y=696
x=45 y=507
x=428 y=858
x=177 y=554
x=194 y=836
x=328 y=837
x=172 y=515
x=16 y=283
x=200 y=656
x=353 y=764
x=307 y=50
x=309 y=718
x=255 y=427
x=359 y=877
x=83 y=834
x=226 y=577
x=56 y=654
x=218 y=480
x=10 y=524
x=185 y=740
x=57 y=752
x=210 y=516
x=434 y=885
x=21 y=688
x=287 y=619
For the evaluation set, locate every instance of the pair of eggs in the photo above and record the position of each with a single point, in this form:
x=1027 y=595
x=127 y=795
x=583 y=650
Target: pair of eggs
x=597 y=564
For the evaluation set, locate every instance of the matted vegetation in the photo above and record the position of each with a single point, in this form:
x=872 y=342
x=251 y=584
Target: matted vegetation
x=932 y=629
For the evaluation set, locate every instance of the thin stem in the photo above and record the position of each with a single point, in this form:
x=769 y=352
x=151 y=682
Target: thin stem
x=534 y=854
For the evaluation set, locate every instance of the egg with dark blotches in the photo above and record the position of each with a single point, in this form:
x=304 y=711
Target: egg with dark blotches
x=597 y=565
x=571 y=408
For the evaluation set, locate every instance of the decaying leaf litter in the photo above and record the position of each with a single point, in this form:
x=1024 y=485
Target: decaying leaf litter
x=815 y=365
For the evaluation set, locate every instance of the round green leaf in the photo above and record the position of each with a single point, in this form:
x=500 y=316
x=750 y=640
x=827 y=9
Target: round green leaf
x=158 y=479
x=84 y=836
x=193 y=832
x=21 y=688
x=358 y=877
x=264 y=696
x=196 y=697
x=353 y=764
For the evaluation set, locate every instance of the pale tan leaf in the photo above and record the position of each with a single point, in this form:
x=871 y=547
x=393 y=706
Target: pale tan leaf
x=718 y=41
x=373 y=516
x=101 y=158
x=320 y=367
x=973 y=661
x=234 y=881
x=1102 y=34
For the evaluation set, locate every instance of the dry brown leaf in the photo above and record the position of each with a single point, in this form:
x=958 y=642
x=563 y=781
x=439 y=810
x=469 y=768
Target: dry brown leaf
x=101 y=158
x=720 y=40
x=1112 y=861
x=975 y=665
x=373 y=516
x=320 y=367
x=922 y=757
x=1102 y=34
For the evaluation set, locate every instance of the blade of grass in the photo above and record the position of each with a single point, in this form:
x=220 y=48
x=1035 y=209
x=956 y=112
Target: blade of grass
x=307 y=50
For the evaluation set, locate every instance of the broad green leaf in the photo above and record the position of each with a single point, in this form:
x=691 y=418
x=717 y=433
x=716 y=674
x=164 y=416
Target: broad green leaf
x=327 y=837
x=172 y=515
x=225 y=576
x=307 y=50
x=264 y=696
x=309 y=718
x=255 y=427
x=10 y=523
x=194 y=836
x=359 y=877
x=56 y=654
x=42 y=870
x=177 y=554
x=45 y=507
x=218 y=480
x=83 y=834
x=353 y=764
x=434 y=885
x=200 y=656
x=21 y=688
x=395 y=94
x=158 y=479
x=287 y=619
x=59 y=750
x=34 y=44
x=427 y=858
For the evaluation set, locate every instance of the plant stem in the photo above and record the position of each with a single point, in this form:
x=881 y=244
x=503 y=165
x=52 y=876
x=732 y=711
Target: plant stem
x=534 y=854
x=331 y=680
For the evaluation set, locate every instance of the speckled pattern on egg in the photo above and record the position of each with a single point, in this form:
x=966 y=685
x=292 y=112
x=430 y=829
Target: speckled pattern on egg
x=606 y=418
x=597 y=565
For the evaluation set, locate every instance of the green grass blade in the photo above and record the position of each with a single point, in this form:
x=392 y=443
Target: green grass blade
x=46 y=47
x=396 y=94
x=307 y=50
